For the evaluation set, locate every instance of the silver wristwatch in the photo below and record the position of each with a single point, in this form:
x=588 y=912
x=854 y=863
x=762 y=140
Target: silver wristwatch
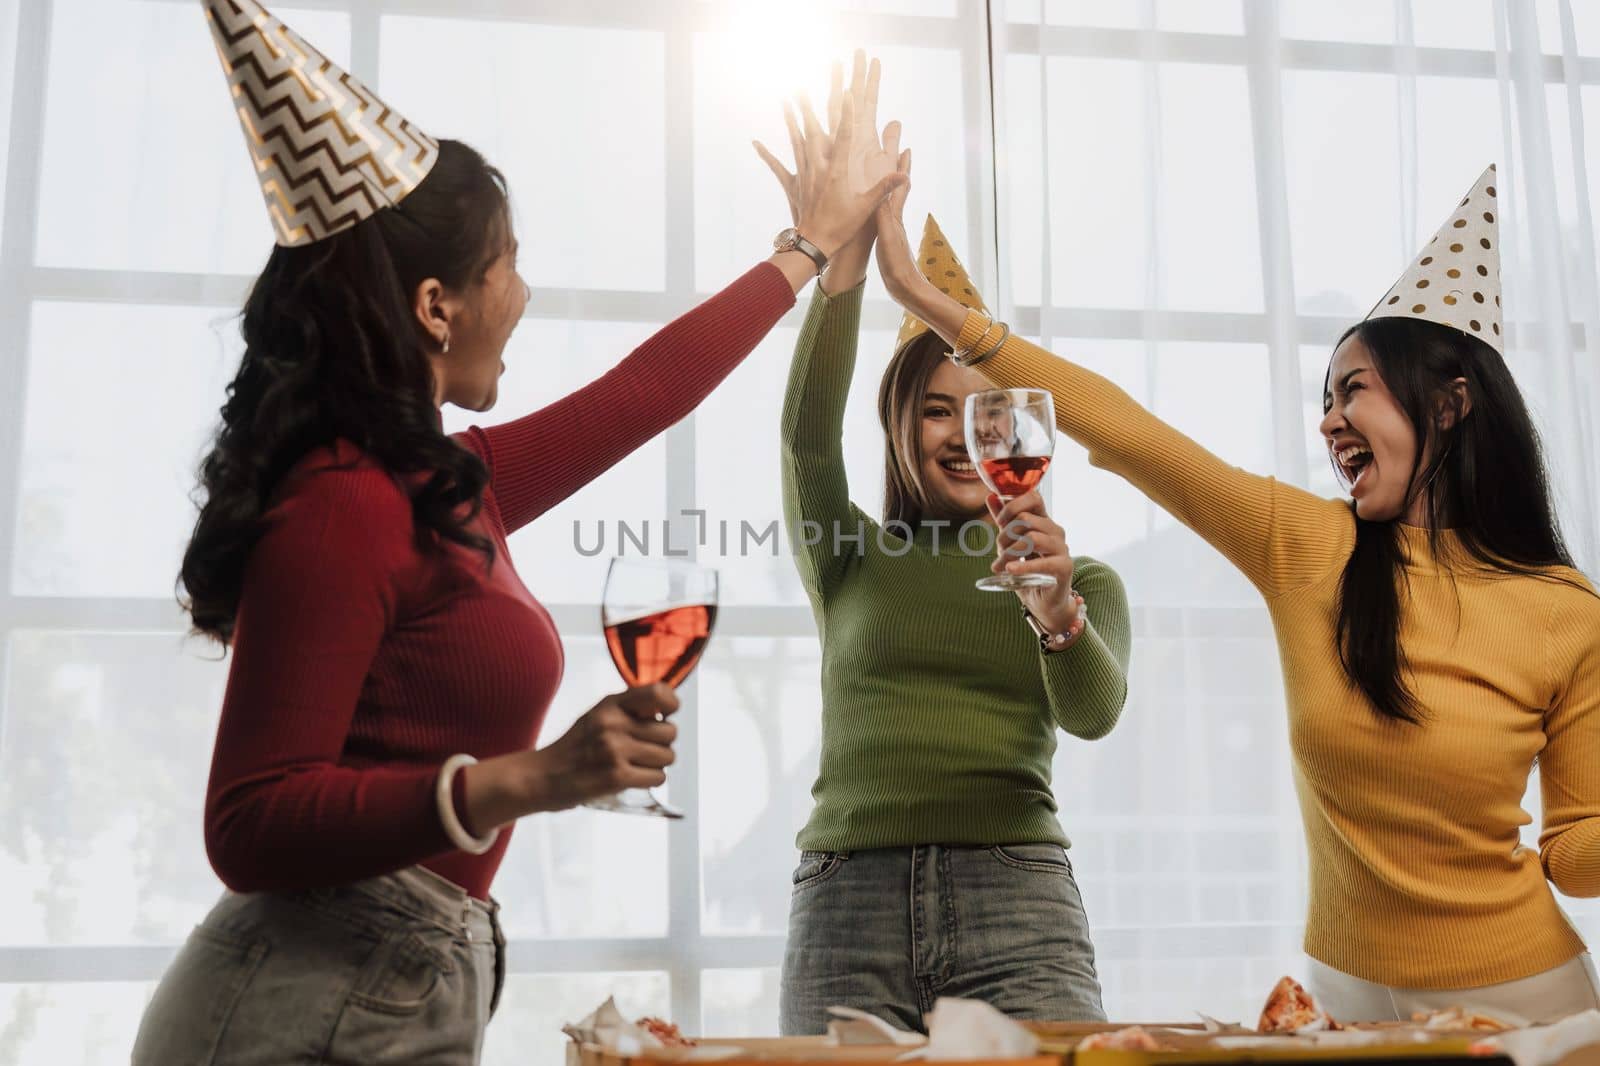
x=790 y=241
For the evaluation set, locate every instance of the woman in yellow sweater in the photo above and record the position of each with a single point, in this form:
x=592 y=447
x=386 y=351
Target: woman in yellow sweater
x=1434 y=635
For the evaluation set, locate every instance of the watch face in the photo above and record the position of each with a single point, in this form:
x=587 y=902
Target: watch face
x=784 y=242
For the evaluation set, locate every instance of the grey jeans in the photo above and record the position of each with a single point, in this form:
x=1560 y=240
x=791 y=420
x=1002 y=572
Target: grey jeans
x=892 y=929
x=401 y=968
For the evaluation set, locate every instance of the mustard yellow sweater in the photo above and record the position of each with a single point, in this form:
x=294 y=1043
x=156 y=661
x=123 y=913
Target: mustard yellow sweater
x=1418 y=879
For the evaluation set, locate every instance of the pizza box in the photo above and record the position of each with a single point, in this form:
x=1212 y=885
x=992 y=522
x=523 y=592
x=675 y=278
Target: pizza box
x=779 y=1051
x=1190 y=1044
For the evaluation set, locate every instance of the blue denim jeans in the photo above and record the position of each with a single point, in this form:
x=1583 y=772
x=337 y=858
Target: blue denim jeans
x=892 y=929
x=401 y=968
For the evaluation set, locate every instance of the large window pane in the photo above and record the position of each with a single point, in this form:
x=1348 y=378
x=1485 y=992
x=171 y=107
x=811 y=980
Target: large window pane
x=1565 y=138
x=1453 y=23
x=1195 y=16
x=545 y=360
x=1200 y=707
x=1344 y=207
x=585 y=873
x=1458 y=134
x=153 y=173
x=1586 y=24
x=1351 y=20
x=738 y=480
x=106 y=745
x=78 y=1024
x=120 y=402
x=739 y=1002
x=526 y=1031
x=1188 y=243
x=1099 y=224
x=581 y=141
x=760 y=723
x=1209 y=250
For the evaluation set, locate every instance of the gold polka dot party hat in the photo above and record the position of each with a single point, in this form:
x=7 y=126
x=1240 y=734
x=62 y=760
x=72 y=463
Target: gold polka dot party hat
x=327 y=151
x=1455 y=279
x=939 y=264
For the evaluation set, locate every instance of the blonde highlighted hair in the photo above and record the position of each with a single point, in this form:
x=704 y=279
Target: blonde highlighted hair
x=900 y=398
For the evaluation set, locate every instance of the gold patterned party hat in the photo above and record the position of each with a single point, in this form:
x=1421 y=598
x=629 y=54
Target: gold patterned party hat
x=328 y=153
x=1455 y=280
x=939 y=265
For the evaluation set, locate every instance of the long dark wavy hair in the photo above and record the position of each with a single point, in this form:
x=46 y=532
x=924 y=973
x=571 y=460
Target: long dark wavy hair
x=333 y=351
x=900 y=396
x=1484 y=480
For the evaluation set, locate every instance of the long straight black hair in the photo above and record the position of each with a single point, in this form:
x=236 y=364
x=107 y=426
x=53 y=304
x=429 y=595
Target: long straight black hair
x=1482 y=477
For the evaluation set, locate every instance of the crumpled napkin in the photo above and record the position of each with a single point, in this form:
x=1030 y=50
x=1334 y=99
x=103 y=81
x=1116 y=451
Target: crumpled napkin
x=851 y=1027
x=1544 y=1045
x=608 y=1027
x=971 y=1029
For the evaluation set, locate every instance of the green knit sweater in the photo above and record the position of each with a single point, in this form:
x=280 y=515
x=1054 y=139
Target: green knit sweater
x=939 y=711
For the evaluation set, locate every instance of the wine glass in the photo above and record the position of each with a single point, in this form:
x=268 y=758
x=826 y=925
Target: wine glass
x=1011 y=434
x=657 y=615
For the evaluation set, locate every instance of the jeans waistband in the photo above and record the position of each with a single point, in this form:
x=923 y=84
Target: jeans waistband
x=420 y=894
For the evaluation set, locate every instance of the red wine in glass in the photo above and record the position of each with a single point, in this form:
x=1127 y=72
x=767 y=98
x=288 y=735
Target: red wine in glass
x=1015 y=474
x=1010 y=435
x=664 y=646
x=657 y=615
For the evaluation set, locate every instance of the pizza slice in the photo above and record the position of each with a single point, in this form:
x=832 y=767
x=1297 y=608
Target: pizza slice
x=665 y=1031
x=1290 y=1009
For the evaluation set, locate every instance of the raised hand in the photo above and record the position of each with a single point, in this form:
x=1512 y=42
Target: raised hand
x=871 y=159
x=896 y=260
x=839 y=177
x=897 y=263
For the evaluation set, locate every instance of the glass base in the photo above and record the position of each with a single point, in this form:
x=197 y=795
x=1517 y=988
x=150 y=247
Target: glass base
x=1013 y=582
x=635 y=801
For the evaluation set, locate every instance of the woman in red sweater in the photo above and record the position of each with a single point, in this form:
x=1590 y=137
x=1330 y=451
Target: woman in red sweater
x=390 y=671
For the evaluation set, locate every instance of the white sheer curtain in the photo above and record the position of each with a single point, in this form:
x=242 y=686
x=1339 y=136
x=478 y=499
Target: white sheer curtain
x=1195 y=198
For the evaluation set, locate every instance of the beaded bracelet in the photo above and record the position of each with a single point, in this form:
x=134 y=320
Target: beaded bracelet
x=1050 y=643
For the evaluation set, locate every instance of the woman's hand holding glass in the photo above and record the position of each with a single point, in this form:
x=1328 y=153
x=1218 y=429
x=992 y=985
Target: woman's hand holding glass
x=624 y=741
x=1031 y=542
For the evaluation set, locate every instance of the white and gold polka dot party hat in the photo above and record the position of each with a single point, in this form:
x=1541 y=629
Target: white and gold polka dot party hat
x=939 y=264
x=327 y=151
x=1455 y=280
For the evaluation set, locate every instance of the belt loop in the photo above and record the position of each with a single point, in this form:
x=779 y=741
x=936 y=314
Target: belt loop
x=499 y=957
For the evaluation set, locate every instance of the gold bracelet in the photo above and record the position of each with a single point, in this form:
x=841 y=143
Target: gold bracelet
x=1005 y=333
x=958 y=354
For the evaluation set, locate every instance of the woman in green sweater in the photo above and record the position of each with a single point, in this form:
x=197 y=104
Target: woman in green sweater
x=933 y=864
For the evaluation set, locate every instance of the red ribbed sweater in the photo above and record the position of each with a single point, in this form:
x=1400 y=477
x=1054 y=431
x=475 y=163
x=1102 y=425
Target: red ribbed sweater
x=361 y=663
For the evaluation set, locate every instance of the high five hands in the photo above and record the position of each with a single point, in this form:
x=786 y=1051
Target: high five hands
x=843 y=172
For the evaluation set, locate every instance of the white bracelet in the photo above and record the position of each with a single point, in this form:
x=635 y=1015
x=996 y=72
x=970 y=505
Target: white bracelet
x=447 y=810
